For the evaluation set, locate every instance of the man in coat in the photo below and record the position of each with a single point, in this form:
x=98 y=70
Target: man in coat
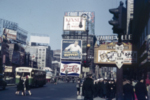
x=128 y=91
x=140 y=90
x=88 y=88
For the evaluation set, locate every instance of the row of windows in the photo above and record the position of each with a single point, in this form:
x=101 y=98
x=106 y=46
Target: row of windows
x=146 y=32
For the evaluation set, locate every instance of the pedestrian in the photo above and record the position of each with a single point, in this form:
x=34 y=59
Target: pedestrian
x=27 y=85
x=78 y=85
x=100 y=83
x=18 y=87
x=140 y=90
x=55 y=80
x=128 y=91
x=96 y=88
x=24 y=86
x=148 y=89
x=88 y=88
x=105 y=88
x=110 y=90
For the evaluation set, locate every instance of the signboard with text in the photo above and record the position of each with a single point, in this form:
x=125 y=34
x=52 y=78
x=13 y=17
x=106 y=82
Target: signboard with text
x=71 y=49
x=108 y=53
x=72 y=23
x=72 y=68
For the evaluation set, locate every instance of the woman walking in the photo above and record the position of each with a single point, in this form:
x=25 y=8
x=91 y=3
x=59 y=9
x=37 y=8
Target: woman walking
x=27 y=85
x=18 y=87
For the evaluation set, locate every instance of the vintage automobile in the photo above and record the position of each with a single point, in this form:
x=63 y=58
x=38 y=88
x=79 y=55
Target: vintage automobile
x=3 y=84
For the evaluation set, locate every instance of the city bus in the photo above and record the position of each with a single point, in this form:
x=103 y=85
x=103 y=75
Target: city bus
x=36 y=77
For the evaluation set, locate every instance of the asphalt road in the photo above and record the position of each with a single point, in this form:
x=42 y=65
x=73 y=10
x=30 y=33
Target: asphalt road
x=61 y=91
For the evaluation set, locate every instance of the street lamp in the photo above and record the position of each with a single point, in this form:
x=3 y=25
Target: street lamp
x=87 y=30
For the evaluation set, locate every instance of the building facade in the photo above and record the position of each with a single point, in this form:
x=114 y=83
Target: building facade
x=141 y=35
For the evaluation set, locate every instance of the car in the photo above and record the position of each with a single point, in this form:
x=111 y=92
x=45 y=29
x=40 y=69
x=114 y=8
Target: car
x=3 y=84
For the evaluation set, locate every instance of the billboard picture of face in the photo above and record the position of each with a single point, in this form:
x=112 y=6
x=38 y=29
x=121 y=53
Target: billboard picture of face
x=71 y=49
x=70 y=68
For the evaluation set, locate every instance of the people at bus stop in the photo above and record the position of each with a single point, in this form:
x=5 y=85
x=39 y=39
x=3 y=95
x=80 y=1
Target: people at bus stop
x=140 y=90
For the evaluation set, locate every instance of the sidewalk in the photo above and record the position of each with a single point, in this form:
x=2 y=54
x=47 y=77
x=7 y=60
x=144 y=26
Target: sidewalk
x=97 y=98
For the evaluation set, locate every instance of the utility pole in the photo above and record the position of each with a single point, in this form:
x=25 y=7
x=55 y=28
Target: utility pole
x=119 y=27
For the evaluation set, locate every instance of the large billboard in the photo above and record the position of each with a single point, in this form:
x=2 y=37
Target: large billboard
x=40 y=39
x=107 y=53
x=71 y=49
x=72 y=23
x=9 y=34
x=109 y=56
x=70 y=68
x=91 y=18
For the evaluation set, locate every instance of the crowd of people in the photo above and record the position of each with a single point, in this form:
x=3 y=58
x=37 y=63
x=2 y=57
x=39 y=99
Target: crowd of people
x=132 y=90
x=23 y=86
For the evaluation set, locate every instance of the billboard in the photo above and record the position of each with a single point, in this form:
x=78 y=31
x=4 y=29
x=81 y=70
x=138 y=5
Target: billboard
x=109 y=56
x=72 y=23
x=72 y=68
x=107 y=53
x=40 y=39
x=71 y=49
x=9 y=34
x=91 y=18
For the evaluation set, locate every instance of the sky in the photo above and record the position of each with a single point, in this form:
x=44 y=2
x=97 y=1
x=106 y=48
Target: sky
x=46 y=16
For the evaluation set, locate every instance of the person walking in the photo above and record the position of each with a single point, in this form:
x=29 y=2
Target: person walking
x=105 y=88
x=78 y=85
x=27 y=85
x=18 y=87
x=100 y=83
x=128 y=91
x=88 y=88
x=148 y=89
x=140 y=90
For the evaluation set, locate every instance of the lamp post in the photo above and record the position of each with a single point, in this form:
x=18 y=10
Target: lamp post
x=87 y=30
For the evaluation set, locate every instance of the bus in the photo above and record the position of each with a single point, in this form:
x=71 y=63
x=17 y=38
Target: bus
x=36 y=77
x=49 y=76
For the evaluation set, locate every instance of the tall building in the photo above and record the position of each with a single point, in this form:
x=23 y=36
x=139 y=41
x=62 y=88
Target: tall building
x=39 y=56
x=141 y=36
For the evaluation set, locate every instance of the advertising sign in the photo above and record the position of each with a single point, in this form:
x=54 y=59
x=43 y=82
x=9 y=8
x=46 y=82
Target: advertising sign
x=110 y=52
x=8 y=69
x=71 y=49
x=91 y=19
x=9 y=34
x=70 y=68
x=108 y=56
x=40 y=39
x=72 y=23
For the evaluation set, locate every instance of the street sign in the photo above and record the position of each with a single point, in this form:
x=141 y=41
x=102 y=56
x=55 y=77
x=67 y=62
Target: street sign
x=84 y=69
x=119 y=56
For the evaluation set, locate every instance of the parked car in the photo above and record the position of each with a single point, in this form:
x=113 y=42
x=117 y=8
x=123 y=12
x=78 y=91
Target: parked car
x=3 y=84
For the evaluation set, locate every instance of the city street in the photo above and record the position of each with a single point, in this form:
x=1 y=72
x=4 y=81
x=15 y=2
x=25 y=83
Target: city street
x=61 y=91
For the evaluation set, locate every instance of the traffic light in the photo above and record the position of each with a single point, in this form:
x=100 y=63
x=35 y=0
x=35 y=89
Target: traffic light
x=119 y=19
x=86 y=63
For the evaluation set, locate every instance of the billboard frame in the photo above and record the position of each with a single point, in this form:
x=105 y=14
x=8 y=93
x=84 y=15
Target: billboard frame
x=84 y=21
x=71 y=62
x=71 y=58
